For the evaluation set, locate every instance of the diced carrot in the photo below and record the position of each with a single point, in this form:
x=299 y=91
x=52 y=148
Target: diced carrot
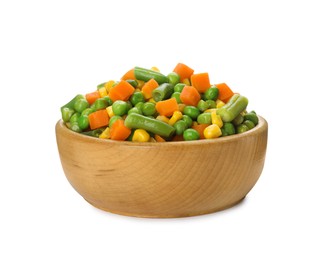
x=200 y=129
x=225 y=93
x=122 y=91
x=98 y=119
x=158 y=138
x=91 y=97
x=190 y=96
x=118 y=131
x=183 y=71
x=129 y=75
x=200 y=81
x=148 y=88
x=167 y=107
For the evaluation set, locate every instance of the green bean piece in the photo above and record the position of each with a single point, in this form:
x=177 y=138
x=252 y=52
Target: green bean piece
x=100 y=103
x=211 y=103
x=71 y=103
x=148 y=109
x=238 y=120
x=188 y=120
x=180 y=126
x=94 y=133
x=66 y=114
x=162 y=92
x=120 y=108
x=101 y=85
x=190 y=134
x=176 y=95
x=113 y=119
x=80 y=105
x=173 y=78
x=83 y=122
x=233 y=108
x=74 y=118
x=249 y=124
x=132 y=82
x=75 y=127
x=179 y=87
x=204 y=118
x=242 y=128
x=211 y=93
x=228 y=128
x=135 y=110
x=136 y=121
x=137 y=97
x=146 y=75
x=202 y=105
x=191 y=111
x=252 y=117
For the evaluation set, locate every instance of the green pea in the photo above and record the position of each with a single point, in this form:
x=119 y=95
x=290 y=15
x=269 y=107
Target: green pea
x=252 y=117
x=137 y=97
x=129 y=105
x=176 y=95
x=114 y=119
x=249 y=124
x=100 y=103
x=76 y=128
x=80 y=105
x=188 y=120
x=242 y=128
x=223 y=132
x=120 y=108
x=83 y=122
x=228 y=128
x=148 y=109
x=211 y=93
x=139 y=105
x=66 y=114
x=135 y=110
x=180 y=126
x=108 y=100
x=173 y=78
x=211 y=103
x=191 y=111
x=238 y=120
x=202 y=105
x=74 y=118
x=204 y=118
x=190 y=134
x=179 y=87
x=87 y=111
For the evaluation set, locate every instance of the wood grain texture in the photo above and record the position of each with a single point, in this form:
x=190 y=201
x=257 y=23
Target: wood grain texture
x=175 y=179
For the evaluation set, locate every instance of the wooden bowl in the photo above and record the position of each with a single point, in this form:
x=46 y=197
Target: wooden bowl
x=163 y=180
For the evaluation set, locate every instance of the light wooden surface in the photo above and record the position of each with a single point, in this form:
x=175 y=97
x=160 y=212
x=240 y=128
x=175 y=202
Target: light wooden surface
x=174 y=179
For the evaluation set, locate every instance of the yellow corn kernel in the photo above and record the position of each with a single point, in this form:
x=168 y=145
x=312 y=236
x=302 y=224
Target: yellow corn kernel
x=155 y=69
x=186 y=82
x=110 y=111
x=210 y=110
x=219 y=103
x=137 y=89
x=140 y=135
x=212 y=131
x=181 y=107
x=152 y=100
x=177 y=115
x=216 y=119
x=163 y=119
x=140 y=83
x=109 y=85
x=105 y=134
x=103 y=92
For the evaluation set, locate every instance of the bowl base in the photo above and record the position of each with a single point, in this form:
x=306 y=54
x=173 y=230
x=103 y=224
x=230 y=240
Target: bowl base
x=139 y=215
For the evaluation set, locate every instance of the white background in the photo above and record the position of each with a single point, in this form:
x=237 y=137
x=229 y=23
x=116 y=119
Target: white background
x=51 y=50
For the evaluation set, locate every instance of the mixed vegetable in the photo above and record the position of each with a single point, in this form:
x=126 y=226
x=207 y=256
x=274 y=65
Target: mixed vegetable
x=147 y=106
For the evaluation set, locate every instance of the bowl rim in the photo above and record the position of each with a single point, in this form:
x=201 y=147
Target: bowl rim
x=260 y=127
